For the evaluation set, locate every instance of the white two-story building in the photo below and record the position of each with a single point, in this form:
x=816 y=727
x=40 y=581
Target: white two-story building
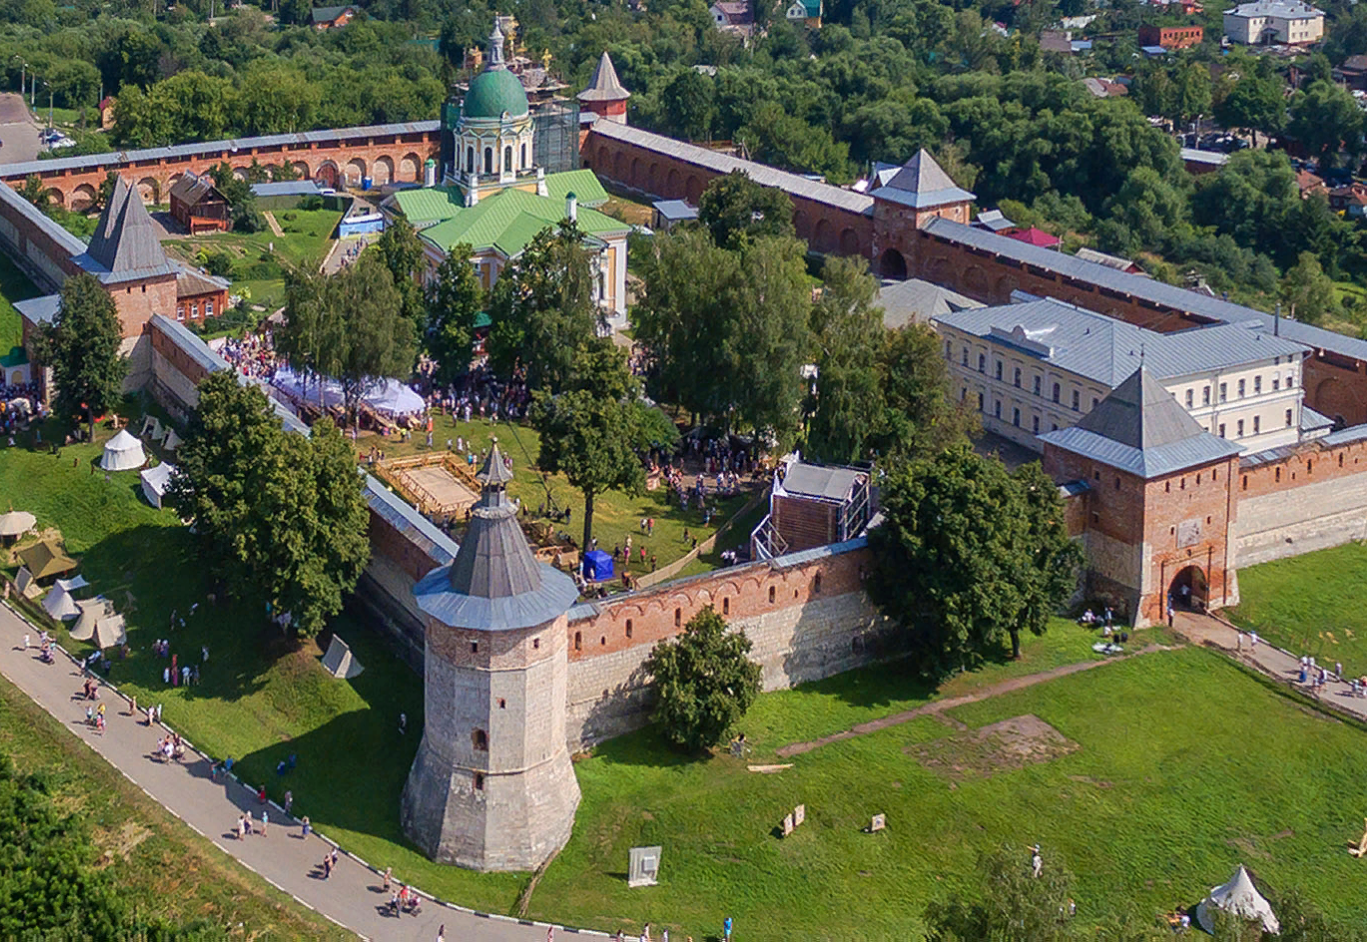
x=1042 y=365
x=1266 y=22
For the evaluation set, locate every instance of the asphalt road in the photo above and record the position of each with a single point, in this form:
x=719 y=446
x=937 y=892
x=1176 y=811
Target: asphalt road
x=18 y=133
x=352 y=897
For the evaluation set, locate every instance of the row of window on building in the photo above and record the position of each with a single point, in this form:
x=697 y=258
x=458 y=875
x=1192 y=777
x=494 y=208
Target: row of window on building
x=193 y=309
x=1242 y=387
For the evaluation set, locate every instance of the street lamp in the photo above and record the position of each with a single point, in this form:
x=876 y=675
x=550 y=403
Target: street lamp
x=23 y=68
x=49 y=105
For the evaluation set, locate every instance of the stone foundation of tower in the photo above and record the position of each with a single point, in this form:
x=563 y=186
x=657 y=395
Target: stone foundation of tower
x=492 y=787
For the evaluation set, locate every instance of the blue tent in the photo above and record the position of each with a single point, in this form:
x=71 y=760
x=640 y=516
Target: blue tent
x=597 y=566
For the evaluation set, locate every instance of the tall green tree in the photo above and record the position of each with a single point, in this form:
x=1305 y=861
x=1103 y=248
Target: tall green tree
x=847 y=404
x=280 y=518
x=348 y=326
x=688 y=105
x=969 y=556
x=1255 y=103
x=82 y=347
x=735 y=207
x=727 y=331
x=704 y=682
x=921 y=415
x=454 y=300
x=402 y=253
x=1307 y=291
x=543 y=308
x=595 y=432
x=1325 y=118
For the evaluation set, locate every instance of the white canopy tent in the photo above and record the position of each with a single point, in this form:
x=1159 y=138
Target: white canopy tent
x=390 y=396
x=91 y=612
x=155 y=481
x=123 y=452
x=16 y=523
x=1240 y=897
x=61 y=603
x=110 y=632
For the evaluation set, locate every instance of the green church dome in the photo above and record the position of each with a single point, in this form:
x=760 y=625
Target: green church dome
x=492 y=93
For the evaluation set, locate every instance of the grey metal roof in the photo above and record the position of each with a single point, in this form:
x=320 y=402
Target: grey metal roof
x=1145 y=289
x=1286 y=9
x=604 y=84
x=812 y=480
x=994 y=220
x=790 y=183
x=286 y=188
x=675 y=210
x=495 y=583
x=404 y=518
x=1145 y=464
x=1194 y=156
x=1108 y=350
x=190 y=283
x=802 y=557
x=193 y=347
x=922 y=183
x=915 y=302
x=1353 y=433
x=225 y=148
x=495 y=472
x=1101 y=258
x=125 y=239
x=1140 y=428
x=40 y=310
x=1313 y=421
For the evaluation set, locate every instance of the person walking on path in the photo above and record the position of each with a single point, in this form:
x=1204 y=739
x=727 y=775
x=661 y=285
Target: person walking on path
x=289 y=800
x=726 y=929
x=388 y=876
x=265 y=821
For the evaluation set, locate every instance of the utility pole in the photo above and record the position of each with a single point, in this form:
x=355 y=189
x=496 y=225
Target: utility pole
x=49 y=105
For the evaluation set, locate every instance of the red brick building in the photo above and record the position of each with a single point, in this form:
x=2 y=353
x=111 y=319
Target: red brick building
x=1171 y=37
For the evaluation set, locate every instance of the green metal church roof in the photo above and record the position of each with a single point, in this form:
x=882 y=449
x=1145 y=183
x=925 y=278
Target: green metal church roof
x=494 y=92
x=426 y=206
x=508 y=221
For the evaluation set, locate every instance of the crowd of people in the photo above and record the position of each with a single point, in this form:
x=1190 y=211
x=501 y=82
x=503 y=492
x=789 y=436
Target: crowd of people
x=254 y=355
x=479 y=393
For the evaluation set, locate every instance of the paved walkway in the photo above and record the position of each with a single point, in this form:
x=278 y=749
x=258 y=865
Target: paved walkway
x=937 y=707
x=1276 y=663
x=289 y=860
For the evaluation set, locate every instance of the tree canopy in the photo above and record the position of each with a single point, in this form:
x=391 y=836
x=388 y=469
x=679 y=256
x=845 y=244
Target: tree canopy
x=82 y=347
x=280 y=517
x=454 y=300
x=734 y=207
x=969 y=556
x=543 y=310
x=704 y=682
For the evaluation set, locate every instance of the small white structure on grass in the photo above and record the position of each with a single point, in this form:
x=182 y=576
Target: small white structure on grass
x=643 y=866
x=123 y=452
x=61 y=602
x=110 y=632
x=155 y=481
x=1241 y=898
x=339 y=662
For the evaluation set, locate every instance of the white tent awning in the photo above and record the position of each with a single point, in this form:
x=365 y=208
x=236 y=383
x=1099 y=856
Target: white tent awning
x=1241 y=898
x=155 y=481
x=123 y=452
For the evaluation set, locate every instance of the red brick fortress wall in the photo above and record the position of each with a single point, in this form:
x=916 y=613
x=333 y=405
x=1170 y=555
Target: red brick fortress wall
x=386 y=154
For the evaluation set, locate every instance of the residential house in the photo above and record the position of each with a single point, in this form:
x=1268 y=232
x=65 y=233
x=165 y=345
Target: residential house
x=1056 y=40
x=199 y=206
x=333 y=17
x=734 y=16
x=1308 y=183
x=1353 y=73
x=993 y=220
x=1105 y=88
x=1268 y=22
x=1036 y=367
x=1351 y=200
x=1110 y=261
x=106 y=109
x=1035 y=237
x=1171 y=37
x=809 y=12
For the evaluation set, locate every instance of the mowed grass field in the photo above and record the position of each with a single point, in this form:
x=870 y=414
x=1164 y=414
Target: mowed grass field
x=160 y=863
x=1184 y=767
x=1314 y=604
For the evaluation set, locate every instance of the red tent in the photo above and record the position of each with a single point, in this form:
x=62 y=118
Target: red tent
x=1033 y=236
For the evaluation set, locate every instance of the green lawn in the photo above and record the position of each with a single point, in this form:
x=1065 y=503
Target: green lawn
x=1186 y=767
x=259 y=258
x=615 y=514
x=14 y=286
x=161 y=864
x=1311 y=604
x=1182 y=769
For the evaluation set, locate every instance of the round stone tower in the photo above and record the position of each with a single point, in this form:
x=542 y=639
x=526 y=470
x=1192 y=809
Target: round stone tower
x=492 y=787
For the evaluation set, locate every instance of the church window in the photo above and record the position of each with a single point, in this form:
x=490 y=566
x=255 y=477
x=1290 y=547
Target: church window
x=488 y=160
x=470 y=159
x=726 y=606
x=508 y=159
x=522 y=161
